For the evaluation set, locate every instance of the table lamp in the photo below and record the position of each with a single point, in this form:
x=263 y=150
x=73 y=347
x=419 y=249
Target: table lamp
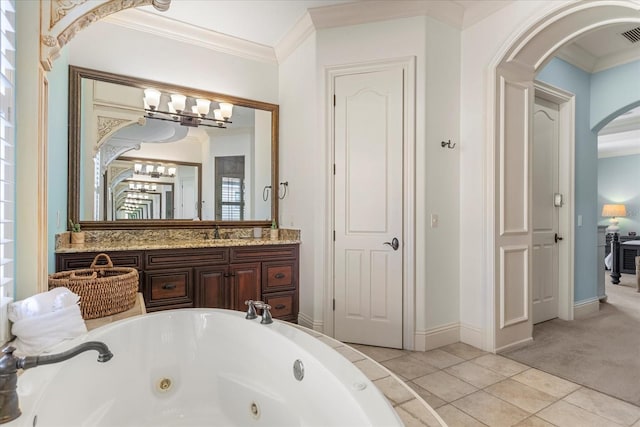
x=613 y=211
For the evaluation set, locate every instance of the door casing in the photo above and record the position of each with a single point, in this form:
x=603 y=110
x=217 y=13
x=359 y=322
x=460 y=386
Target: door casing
x=566 y=174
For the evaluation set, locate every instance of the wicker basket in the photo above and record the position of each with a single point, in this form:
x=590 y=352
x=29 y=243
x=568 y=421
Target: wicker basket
x=103 y=289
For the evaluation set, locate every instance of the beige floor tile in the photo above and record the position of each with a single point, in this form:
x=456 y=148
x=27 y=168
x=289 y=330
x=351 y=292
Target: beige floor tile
x=433 y=400
x=372 y=370
x=500 y=364
x=475 y=374
x=534 y=421
x=521 y=395
x=394 y=390
x=379 y=354
x=462 y=350
x=408 y=367
x=445 y=386
x=550 y=384
x=350 y=354
x=607 y=407
x=408 y=419
x=454 y=417
x=490 y=410
x=421 y=412
x=437 y=358
x=564 y=414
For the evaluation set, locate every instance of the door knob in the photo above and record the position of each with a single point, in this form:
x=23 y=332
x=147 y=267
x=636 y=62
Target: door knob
x=556 y=238
x=395 y=244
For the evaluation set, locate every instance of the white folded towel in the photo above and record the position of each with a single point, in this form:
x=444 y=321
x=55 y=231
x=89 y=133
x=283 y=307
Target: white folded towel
x=42 y=303
x=37 y=334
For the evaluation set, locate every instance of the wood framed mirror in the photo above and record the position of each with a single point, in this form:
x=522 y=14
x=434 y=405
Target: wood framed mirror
x=111 y=122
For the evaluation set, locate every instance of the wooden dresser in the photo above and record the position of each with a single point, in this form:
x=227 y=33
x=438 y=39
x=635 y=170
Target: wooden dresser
x=214 y=277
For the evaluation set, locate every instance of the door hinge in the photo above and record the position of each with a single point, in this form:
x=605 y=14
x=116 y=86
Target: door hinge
x=334 y=100
x=334 y=304
x=334 y=235
x=334 y=168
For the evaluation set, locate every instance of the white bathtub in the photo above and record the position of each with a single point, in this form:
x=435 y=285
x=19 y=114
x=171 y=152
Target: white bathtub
x=223 y=370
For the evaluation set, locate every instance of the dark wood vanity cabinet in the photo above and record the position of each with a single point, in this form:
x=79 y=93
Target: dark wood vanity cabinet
x=221 y=277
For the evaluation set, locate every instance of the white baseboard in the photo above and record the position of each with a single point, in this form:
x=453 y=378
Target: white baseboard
x=472 y=336
x=437 y=337
x=308 y=322
x=514 y=345
x=585 y=308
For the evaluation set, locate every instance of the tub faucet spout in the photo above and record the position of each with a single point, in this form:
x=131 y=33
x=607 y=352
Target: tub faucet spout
x=9 y=365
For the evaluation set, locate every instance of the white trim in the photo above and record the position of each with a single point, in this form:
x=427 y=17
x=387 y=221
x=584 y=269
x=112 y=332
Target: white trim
x=471 y=335
x=585 y=308
x=408 y=65
x=514 y=345
x=294 y=38
x=148 y=22
x=308 y=322
x=437 y=337
x=566 y=251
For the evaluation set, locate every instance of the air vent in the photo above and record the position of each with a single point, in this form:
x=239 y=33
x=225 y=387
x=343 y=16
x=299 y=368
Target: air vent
x=632 y=35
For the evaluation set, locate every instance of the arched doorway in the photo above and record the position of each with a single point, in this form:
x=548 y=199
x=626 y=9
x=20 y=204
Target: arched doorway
x=511 y=91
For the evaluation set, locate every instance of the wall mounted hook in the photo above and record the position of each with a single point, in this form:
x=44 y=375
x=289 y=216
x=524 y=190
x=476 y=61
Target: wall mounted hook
x=447 y=144
x=284 y=184
x=265 y=192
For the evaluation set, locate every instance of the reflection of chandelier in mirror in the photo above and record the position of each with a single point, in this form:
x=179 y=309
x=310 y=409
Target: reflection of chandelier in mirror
x=154 y=171
x=142 y=187
x=178 y=112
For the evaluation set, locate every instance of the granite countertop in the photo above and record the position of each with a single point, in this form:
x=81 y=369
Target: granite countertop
x=172 y=244
x=137 y=240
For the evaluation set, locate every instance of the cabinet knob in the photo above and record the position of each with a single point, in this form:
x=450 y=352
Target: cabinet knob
x=280 y=306
x=279 y=276
x=168 y=286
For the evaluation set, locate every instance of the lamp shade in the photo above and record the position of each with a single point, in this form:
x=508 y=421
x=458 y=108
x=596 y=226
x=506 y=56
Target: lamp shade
x=614 y=210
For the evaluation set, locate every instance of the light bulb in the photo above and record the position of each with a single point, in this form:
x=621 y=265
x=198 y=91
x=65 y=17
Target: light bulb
x=178 y=102
x=137 y=168
x=203 y=106
x=152 y=98
x=160 y=170
x=227 y=109
x=149 y=168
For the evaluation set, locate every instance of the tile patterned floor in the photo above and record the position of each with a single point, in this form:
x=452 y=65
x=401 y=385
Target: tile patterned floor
x=469 y=387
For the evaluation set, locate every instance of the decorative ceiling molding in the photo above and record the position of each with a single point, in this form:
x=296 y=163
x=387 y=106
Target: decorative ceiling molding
x=575 y=55
x=161 y=26
x=61 y=20
x=295 y=37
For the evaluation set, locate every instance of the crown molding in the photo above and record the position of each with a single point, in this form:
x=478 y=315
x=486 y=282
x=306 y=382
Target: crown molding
x=616 y=59
x=376 y=10
x=157 y=25
x=364 y=12
x=295 y=37
x=577 y=56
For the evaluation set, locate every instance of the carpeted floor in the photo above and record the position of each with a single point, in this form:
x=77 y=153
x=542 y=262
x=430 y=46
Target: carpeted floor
x=601 y=351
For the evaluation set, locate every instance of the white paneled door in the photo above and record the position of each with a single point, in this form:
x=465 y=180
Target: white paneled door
x=368 y=207
x=545 y=212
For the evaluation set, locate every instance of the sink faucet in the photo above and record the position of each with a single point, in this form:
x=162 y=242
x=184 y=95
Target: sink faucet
x=9 y=365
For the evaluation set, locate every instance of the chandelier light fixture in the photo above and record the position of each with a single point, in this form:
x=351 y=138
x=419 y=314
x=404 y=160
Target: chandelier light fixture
x=154 y=171
x=142 y=187
x=187 y=111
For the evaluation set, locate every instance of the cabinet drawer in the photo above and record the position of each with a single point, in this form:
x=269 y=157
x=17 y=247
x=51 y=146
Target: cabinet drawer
x=283 y=305
x=166 y=258
x=169 y=288
x=75 y=261
x=263 y=253
x=278 y=275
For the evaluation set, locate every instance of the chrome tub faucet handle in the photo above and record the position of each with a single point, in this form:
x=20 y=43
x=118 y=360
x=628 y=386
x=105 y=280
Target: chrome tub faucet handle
x=266 y=314
x=251 y=311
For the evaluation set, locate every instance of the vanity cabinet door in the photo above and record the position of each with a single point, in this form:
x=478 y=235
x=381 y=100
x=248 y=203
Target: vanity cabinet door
x=213 y=289
x=245 y=284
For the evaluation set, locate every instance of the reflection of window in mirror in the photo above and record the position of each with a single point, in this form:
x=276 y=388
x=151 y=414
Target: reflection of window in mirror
x=229 y=188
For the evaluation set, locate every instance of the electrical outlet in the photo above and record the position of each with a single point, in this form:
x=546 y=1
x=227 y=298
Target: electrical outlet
x=434 y=220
